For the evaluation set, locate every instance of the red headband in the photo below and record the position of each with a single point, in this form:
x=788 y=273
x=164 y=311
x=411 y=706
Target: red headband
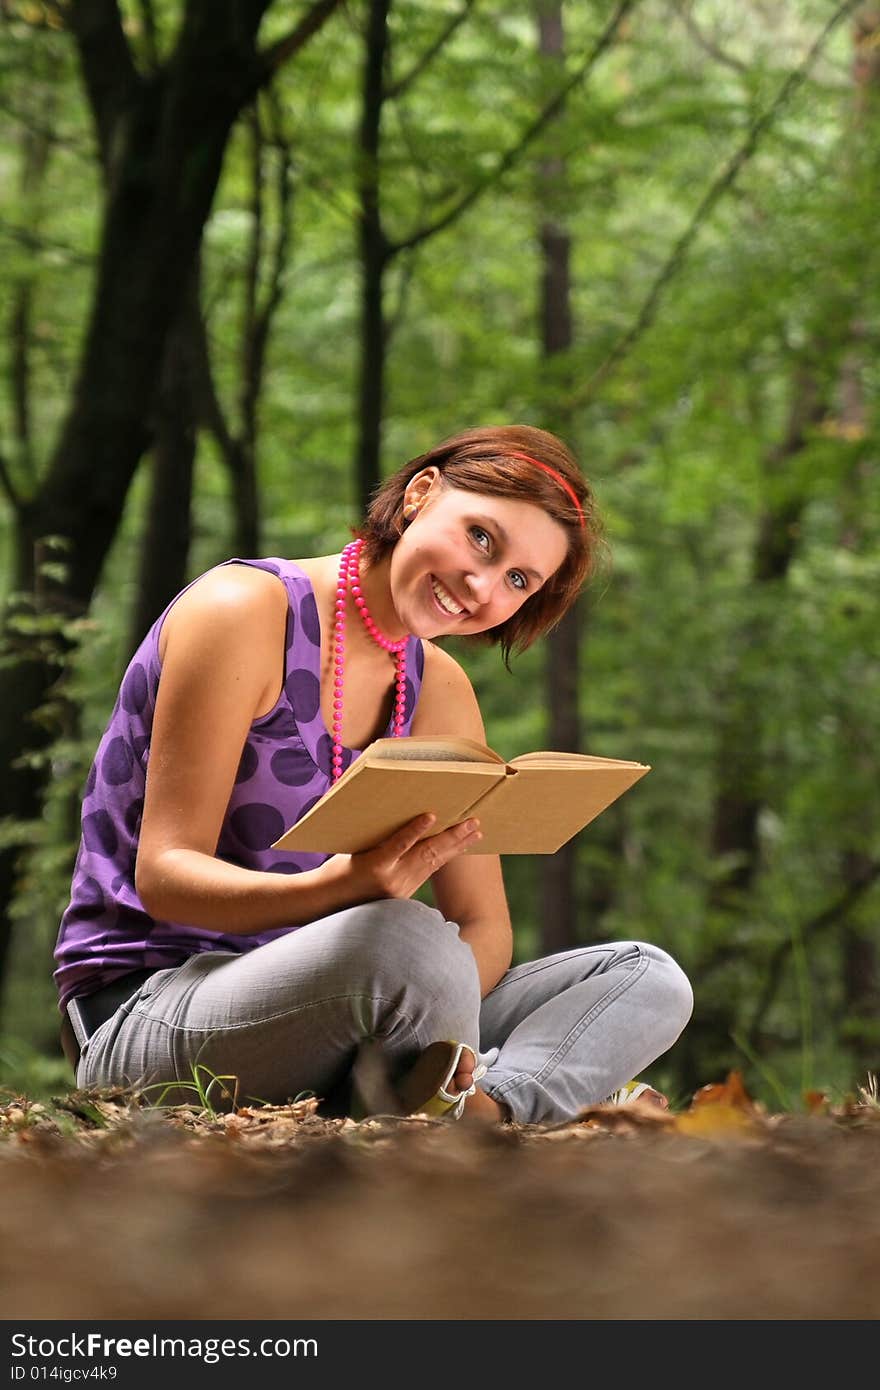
x=558 y=478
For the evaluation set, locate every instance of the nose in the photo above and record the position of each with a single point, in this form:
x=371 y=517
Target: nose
x=481 y=585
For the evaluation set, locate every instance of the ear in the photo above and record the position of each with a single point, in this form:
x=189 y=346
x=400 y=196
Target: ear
x=419 y=488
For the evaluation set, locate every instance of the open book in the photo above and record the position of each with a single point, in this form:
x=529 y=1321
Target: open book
x=531 y=805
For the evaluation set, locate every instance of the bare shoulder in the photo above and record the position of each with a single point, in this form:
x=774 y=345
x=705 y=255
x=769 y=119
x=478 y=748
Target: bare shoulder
x=443 y=670
x=447 y=702
x=228 y=602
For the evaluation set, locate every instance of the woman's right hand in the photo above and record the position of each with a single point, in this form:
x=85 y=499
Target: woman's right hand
x=399 y=865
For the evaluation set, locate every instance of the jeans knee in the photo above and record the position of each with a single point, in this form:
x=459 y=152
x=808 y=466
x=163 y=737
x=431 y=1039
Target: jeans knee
x=417 y=948
x=425 y=975
x=436 y=960
x=673 y=990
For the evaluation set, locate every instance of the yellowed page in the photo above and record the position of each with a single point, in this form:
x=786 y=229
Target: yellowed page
x=438 y=748
x=566 y=759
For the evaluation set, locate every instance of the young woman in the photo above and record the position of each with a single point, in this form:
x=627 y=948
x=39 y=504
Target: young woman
x=188 y=939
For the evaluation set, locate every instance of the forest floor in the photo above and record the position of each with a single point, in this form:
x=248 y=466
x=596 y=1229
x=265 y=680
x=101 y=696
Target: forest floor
x=120 y=1210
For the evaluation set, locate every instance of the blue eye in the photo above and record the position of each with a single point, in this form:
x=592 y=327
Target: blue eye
x=518 y=579
x=477 y=532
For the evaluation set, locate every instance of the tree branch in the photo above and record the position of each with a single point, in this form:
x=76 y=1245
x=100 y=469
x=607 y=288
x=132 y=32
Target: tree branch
x=208 y=406
x=711 y=198
x=259 y=315
x=272 y=58
x=827 y=918
x=509 y=158
x=708 y=46
x=36 y=152
x=396 y=89
x=284 y=194
x=151 y=34
x=255 y=240
x=42 y=130
x=107 y=67
x=33 y=241
x=396 y=315
x=7 y=486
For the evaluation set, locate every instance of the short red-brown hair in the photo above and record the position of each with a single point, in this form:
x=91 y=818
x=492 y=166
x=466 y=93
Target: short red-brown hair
x=484 y=460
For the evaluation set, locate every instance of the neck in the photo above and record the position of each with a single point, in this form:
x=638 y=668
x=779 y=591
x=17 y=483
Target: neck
x=375 y=580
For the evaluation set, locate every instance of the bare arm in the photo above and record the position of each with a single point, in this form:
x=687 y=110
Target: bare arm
x=222 y=668
x=468 y=889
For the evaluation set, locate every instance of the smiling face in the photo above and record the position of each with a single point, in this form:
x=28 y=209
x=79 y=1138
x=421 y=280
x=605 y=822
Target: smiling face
x=469 y=560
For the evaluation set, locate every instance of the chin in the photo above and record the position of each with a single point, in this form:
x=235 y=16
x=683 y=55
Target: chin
x=430 y=630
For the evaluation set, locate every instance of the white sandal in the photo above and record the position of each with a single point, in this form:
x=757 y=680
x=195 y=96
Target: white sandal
x=630 y=1092
x=424 y=1090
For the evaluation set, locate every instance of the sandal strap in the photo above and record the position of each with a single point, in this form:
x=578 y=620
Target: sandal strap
x=460 y=1096
x=631 y=1091
x=479 y=1073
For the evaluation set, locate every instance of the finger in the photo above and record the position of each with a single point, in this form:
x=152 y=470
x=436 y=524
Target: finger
x=408 y=835
x=436 y=850
x=450 y=842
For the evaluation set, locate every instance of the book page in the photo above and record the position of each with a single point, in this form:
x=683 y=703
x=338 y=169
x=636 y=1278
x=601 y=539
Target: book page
x=443 y=748
x=554 y=759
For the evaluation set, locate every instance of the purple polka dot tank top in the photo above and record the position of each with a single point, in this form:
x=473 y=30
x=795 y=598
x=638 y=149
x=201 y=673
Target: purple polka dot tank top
x=285 y=767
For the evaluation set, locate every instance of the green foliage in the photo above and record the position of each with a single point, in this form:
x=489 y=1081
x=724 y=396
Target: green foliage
x=701 y=434
x=200 y=1087
x=29 y=1071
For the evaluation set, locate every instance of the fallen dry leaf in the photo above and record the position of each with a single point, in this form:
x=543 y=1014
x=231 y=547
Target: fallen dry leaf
x=724 y=1108
x=731 y=1092
x=816 y=1102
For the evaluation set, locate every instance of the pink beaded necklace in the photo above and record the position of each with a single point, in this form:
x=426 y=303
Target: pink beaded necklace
x=349 y=578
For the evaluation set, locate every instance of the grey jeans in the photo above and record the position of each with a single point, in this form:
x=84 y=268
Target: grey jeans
x=290 y=1016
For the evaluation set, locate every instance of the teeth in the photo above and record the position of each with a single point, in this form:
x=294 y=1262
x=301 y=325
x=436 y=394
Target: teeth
x=445 y=600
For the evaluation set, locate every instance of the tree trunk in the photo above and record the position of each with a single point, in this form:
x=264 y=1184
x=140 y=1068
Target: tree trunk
x=166 y=537
x=162 y=140
x=558 y=882
x=373 y=250
x=859 y=941
x=738 y=760
x=860 y=978
x=738 y=795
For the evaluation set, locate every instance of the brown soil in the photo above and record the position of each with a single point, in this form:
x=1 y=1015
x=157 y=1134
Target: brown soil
x=112 y=1210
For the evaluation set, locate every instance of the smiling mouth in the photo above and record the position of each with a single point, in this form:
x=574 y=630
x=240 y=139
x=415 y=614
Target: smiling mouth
x=445 y=601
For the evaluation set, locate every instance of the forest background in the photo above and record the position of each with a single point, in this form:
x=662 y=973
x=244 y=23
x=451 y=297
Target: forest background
x=255 y=255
